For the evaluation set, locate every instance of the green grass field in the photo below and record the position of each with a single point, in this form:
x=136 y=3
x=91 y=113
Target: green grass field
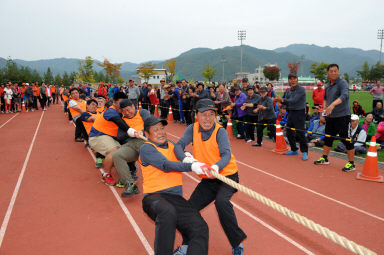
x=365 y=100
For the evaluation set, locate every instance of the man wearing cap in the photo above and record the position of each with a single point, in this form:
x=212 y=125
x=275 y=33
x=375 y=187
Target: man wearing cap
x=295 y=99
x=130 y=148
x=337 y=111
x=238 y=113
x=266 y=116
x=162 y=187
x=244 y=85
x=318 y=94
x=358 y=136
x=315 y=133
x=251 y=118
x=211 y=145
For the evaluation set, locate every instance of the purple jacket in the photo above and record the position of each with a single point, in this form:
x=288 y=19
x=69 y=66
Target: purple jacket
x=239 y=101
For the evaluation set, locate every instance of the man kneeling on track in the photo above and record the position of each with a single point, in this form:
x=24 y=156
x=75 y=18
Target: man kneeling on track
x=88 y=118
x=76 y=107
x=103 y=135
x=130 y=148
x=162 y=188
x=210 y=144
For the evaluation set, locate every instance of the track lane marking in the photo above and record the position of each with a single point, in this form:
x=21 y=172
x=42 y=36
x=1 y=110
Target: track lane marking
x=7 y=216
x=308 y=189
x=9 y=120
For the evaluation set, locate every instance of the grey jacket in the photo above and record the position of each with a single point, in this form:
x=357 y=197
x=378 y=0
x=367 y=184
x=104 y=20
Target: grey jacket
x=334 y=91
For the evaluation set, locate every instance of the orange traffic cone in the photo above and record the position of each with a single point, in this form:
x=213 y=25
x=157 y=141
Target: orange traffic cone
x=157 y=111
x=196 y=118
x=230 y=128
x=170 y=114
x=281 y=146
x=23 y=107
x=371 y=171
x=140 y=106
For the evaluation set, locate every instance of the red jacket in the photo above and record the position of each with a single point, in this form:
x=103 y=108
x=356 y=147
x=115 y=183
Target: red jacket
x=318 y=96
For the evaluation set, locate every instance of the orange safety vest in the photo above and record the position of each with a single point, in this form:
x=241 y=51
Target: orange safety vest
x=87 y=124
x=65 y=97
x=53 y=90
x=135 y=122
x=105 y=126
x=82 y=104
x=155 y=179
x=100 y=110
x=208 y=151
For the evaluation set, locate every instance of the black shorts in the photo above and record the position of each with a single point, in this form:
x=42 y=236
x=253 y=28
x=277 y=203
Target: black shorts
x=337 y=126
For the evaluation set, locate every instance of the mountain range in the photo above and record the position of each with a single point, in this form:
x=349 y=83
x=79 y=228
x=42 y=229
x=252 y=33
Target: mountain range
x=190 y=64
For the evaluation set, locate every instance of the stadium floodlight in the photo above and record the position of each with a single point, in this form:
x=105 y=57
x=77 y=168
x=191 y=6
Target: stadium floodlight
x=380 y=36
x=241 y=35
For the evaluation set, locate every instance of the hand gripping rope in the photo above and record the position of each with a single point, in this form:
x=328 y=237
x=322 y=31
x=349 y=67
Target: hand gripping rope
x=336 y=238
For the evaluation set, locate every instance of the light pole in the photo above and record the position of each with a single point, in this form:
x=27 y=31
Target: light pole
x=380 y=36
x=223 y=60
x=241 y=34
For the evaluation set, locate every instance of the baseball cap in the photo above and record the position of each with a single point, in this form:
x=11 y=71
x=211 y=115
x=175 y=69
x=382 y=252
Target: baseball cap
x=292 y=75
x=249 y=87
x=205 y=104
x=200 y=83
x=354 y=117
x=152 y=120
x=131 y=79
x=162 y=80
x=319 y=83
x=263 y=89
x=244 y=80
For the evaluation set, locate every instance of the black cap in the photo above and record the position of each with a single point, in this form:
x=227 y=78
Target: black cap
x=152 y=120
x=244 y=80
x=125 y=102
x=236 y=88
x=263 y=89
x=204 y=105
x=292 y=75
x=200 y=83
x=283 y=106
x=249 y=87
x=178 y=81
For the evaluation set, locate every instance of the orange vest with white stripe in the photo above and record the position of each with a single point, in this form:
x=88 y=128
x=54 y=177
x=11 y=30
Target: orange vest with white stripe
x=154 y=179
x=82 y=104
x=88 y=124
x=208 y=151
x=135 y=122
x=65 y=97
x=105 y=126
x=100 y=110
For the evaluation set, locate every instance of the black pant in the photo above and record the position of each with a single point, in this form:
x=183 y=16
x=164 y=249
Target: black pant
x=164 y=109
x=80 y=129
x=209 y=190
x=43 y=100
x=250 y=127
x=53 y=98
x=296 y=119
x=271 y=128
x=35 y=98
x=171 y=212
x=240 y=126
x=2 y=104
x=175 y=110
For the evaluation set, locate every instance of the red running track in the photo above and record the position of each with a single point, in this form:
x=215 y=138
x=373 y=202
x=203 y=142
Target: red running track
x=63 y=208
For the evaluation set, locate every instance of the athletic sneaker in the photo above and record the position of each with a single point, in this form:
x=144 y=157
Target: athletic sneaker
x=179 y=251
x=130 y=189
x=120 y=184
x=291 y=153
x=257 y=144
x=79 y=139
x=238 y=251
x=349 y=167
x=249 y=140
x=99 y=162
x=305 y=156
x=321 y=161
x=108 y=179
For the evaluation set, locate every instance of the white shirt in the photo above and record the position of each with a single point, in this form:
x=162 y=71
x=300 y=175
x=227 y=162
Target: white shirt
x=72 y=103
x=361 y=138
x=8 y=93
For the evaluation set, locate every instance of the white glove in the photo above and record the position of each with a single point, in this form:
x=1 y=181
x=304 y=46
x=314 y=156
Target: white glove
x=188 y=158
x=215 y=168
x=132 y=132
x=201 y=168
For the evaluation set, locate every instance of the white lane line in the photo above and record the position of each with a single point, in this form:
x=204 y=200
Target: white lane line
x=9 y=120
x=308 y=189
x=4 y=225
x=274 y=230
x=130 y=218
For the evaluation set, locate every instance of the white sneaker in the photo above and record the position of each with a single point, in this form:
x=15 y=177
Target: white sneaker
x=32 y=110
x=248 y=141
x=27 y=111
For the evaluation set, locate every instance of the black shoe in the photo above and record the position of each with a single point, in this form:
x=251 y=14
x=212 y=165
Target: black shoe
x=130 y=189
x=257 y=144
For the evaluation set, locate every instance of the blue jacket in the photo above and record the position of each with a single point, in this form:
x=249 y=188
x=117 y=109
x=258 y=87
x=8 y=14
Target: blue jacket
x=239 y=101
x=317 y=128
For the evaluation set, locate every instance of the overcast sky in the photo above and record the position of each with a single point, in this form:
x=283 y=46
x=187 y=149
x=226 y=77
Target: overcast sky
x=137 y=31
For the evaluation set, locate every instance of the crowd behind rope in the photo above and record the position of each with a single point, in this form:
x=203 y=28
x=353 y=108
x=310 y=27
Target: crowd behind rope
x=112 y=119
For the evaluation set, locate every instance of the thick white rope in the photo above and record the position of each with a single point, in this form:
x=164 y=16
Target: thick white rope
x=341 y=240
